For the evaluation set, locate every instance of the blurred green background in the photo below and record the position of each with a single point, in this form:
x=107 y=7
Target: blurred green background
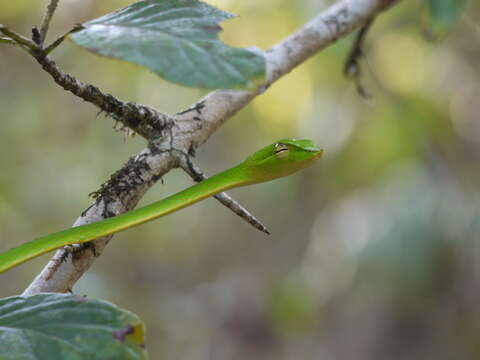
x=374 y=253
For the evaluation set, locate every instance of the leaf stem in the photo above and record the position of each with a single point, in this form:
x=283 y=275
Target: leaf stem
x=60 y=39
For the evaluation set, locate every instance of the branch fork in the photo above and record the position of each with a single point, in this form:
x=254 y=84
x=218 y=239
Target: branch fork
x=184 y=131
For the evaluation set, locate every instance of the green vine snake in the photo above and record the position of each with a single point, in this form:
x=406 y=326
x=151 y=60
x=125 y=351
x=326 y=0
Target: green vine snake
x=274 y=161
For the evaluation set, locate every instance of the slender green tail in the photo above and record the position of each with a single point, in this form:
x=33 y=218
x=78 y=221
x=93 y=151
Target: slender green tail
x=80 y=234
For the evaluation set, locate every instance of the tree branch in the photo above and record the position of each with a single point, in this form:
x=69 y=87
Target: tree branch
x=193 y=127
x=142 y=119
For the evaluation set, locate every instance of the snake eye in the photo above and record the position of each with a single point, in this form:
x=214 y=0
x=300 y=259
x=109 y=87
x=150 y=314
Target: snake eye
x=281 y=151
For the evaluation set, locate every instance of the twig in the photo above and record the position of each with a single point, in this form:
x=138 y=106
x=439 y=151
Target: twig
x=47 y=18
x=7 y=41
x=142 y=119
x=18 y=38
x=352 y=67
x=197 y=175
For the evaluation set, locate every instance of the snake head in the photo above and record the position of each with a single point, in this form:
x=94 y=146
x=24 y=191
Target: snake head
x=281 y=158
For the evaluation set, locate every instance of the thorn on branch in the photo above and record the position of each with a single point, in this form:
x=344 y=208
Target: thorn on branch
x=197 y=175
x=198 y=107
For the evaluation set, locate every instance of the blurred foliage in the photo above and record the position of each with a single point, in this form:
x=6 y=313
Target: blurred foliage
x=441 y=15
x=374 y=253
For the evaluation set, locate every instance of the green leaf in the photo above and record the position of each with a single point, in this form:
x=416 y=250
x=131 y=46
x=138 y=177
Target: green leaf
x=176 y=39
x=442 y=15
x=60 y=326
